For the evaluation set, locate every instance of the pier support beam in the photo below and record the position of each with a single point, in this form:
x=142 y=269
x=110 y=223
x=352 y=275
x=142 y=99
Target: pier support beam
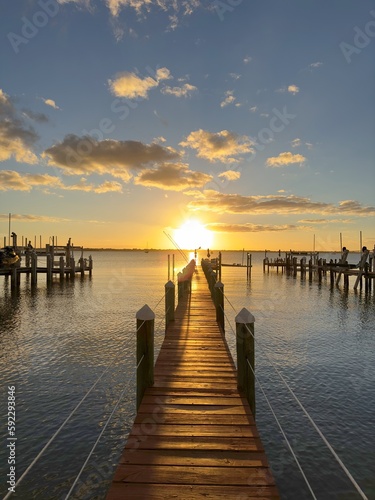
x=246 y=355
x=34 y=265
x=145 y=349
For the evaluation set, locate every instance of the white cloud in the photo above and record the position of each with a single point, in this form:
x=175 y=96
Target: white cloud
x=130 y=85
x=229 y=98
x=219 y=146
x=51 y=103
x=185 y=91
x=230 y=175
x=295 y=143
x=285 y=158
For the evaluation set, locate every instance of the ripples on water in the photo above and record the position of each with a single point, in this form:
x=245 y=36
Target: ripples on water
x=56 y=342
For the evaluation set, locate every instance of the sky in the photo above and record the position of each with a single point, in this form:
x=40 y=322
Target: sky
x=231 y=124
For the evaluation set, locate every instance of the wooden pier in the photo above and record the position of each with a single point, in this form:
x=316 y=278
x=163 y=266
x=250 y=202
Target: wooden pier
x=194 y=435
x=364 y=271
x=57 y=261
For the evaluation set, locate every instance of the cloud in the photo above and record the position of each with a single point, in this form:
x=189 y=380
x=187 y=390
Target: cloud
x=315 y=65
x=131 y=85
x=220 y=146
x=16 y=137
x=51 y=103
x=185 y=91
x=215 y=201
x=286 y=158
x=85 y=155
x=253 y=109
x=183 y=7
x=229 y=98
x=235 y=76
x=296 y=143
x=248 y=227
x=11 y=180
x=36 y=117
x=230 y=175
x=325 y=221
x=293 y=89
x=247 y=59
x=172 y=176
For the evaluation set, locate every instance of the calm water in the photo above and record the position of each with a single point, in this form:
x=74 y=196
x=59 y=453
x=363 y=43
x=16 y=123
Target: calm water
x=56 y=342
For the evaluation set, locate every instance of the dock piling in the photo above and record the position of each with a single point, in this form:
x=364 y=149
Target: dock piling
x=145 y=349
x=246 y=353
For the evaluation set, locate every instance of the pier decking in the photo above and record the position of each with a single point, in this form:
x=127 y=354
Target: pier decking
x=194 y=435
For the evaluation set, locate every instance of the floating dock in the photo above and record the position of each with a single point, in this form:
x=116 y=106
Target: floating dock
x=194 y=435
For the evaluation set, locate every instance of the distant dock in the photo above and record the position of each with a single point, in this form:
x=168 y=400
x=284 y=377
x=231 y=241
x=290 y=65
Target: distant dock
x=58 y=261
x=311 y=265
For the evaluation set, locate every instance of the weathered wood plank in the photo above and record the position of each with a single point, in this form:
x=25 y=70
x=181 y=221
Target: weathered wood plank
x=119 y=491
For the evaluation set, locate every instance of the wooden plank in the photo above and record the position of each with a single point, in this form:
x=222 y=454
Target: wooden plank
x=146 y=442
x=240 y=476
x=190 y=430
x=119 y=491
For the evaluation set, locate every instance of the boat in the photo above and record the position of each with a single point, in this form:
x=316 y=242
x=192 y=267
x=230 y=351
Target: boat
x=8 y=258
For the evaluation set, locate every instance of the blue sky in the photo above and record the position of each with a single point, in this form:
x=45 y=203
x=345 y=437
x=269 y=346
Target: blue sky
x=121 y=119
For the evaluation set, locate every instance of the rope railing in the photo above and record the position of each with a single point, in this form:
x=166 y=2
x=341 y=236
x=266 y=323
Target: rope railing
x=282 y=432
x=311 y=420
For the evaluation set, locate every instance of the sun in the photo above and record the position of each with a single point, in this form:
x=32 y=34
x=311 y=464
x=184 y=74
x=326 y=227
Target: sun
x=192 y=235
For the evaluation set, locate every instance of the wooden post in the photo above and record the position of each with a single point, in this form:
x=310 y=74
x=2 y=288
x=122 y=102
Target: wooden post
x=246 y=352
x=169 y=302
x=361 y=266
x=82 y=266
x=90 y=266
x=72 y=268
x=34 y=265
x=145 y=347
x=248 y=266
x=15 y=279
x=219 y=304
x=169 y=267
x=343 y=260
x=62 y=267
x=49 y=268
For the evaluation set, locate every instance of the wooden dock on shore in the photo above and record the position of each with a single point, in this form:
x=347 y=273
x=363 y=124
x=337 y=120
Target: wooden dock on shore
x=194 y=435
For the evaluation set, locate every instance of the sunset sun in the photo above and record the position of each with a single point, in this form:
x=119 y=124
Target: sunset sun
x=193 y=234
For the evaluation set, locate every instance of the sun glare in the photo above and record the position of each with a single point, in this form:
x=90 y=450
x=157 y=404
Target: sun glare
x=192 y=235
